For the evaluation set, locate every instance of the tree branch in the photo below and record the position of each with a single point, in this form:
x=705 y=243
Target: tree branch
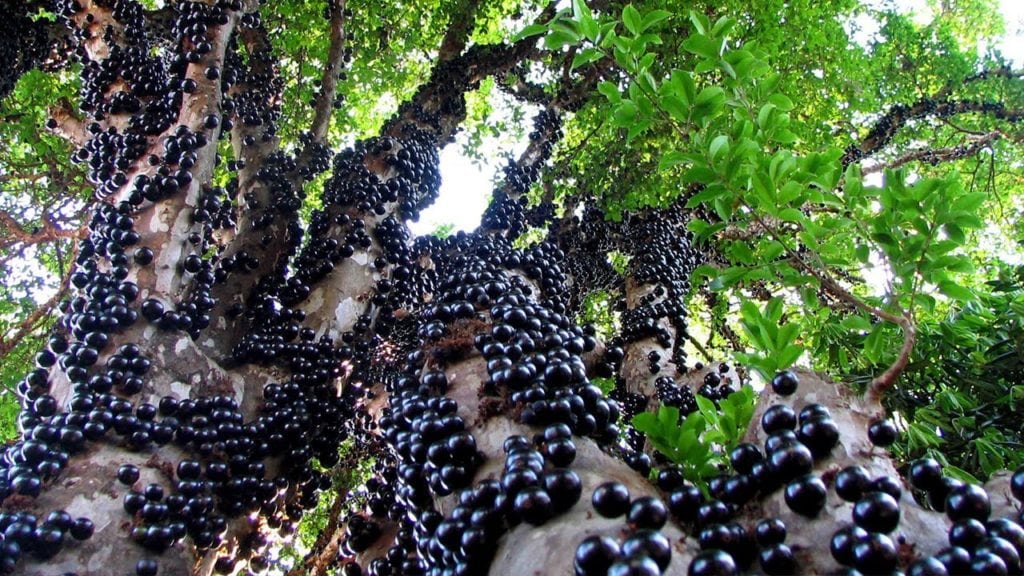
x=1001 y=72
x=459 y=28
x=324 y=103
x=935 y=156
x=65 y=123
x=515 y=85
x=16 y=233
x=32 y=321
x=266 y=203
x=885 y=128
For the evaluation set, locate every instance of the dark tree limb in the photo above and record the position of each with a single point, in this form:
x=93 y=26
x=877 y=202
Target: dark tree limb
x=886 y=127
x=514 y=84
x=1006 y=72
x=459 y=28
x=324 y=103
x=14 y=235
x=935 y=156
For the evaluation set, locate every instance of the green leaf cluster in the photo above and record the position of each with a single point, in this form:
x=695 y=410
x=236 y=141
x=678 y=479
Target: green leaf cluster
x=700 y=442
x=773 y=339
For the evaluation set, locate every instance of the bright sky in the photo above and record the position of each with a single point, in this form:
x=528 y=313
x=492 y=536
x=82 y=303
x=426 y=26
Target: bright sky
x=466 y=187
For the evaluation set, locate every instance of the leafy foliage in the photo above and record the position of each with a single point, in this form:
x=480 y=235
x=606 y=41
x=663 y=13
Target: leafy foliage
x=794 y=221
x=774 y=342
x=700 y=442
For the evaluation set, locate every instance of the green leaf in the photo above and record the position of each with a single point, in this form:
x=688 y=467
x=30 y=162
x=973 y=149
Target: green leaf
x=781 y=101
x=956 y=291
x=709 y=96
x=583 y=15
x=707 y=408
x=764 y=116
x=702 y=46
x=862 y=253
x=700 y=22
x=586 y=56
x=676 y=107
x=605 y=384
x=632 y=19
x=873 y=344
x=719 y=147
x=647 y=423
x=625 y=113
x=531 y=30
x=784 y=137
x=791 y=215
x=969 y=202
x=559 y=38
x=653 y=17
x=610 y=91
x=722 y=26
x=788 y=356
x=684 y=86
x=668 y=416
x=856 y=322
x=670 y=159
x=954 y=233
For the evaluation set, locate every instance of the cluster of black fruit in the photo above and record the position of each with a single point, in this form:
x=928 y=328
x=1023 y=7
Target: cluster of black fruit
x=547 y=129
x=587 y=240
x=535 y=485
x=645 y=551
x=257 y=107
x=716 y=387
x=631 y=404
x=223 y=475
x=662 y=257
x=505 y=212
x=355 y=197
x=25 y=42
x=671 y=393
x=509 y=210
x=533 y=356
x=24 y=533
x=978 y=544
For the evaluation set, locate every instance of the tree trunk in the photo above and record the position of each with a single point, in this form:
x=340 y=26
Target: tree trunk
x=184 y=398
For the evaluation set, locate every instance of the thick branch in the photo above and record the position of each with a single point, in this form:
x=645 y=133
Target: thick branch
x=267 y=206
x=15 y=234
x=65 y=123
x=459 y=28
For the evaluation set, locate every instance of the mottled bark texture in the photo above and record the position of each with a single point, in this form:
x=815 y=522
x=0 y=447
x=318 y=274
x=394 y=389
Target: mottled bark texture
x=216 y=348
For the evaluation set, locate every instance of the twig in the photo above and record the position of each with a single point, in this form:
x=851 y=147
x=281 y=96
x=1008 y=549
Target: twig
x=700 y=348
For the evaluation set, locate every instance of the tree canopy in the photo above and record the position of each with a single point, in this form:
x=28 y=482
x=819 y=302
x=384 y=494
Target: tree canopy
x=203 y=234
